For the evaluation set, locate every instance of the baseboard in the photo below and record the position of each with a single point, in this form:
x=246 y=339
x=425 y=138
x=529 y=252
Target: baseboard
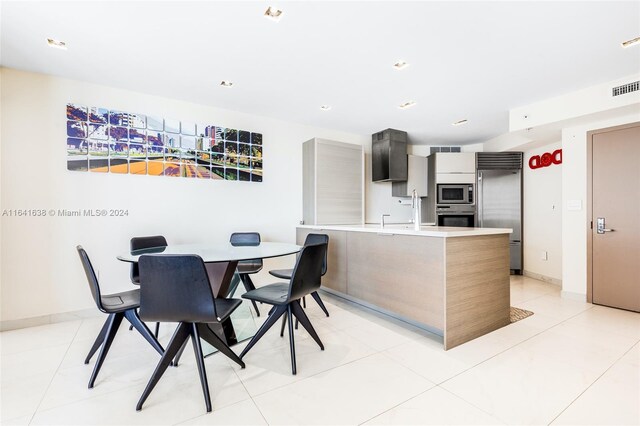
x=544 y=278
x=580 y=297
x=7 y=325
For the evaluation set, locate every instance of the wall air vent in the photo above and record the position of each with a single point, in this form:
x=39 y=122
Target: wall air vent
x=444 y=149
x=499 y=160
x=625 y=88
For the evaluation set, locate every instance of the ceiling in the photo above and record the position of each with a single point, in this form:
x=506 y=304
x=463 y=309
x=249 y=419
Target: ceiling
x=468 y=60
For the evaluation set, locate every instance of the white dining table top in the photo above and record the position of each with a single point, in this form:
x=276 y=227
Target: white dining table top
x=218 y=252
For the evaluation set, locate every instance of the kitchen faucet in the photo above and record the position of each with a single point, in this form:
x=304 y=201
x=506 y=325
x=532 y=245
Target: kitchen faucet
x=382 y=220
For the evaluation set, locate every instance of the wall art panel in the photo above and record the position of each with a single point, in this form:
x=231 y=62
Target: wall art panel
x=112 y=141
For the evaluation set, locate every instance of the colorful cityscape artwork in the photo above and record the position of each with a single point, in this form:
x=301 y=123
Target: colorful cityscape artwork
x=106 y=141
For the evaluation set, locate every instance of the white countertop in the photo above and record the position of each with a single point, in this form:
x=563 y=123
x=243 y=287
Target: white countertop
x=407 y=229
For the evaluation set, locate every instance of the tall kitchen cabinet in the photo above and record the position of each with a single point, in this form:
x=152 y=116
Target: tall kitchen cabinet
x=332 y=183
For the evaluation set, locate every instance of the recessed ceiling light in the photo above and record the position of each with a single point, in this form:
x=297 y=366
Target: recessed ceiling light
x=226 y=83
x=57 y=44
x=406 y=105
x=273 y=13
x=325 y=107
x=459 y=122
x=631 y=42
x=400 y=65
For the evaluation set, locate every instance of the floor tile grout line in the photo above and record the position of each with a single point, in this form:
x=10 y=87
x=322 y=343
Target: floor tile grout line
x=594 y=382
x=511 y=347
x=55 y=373
x=129 y=386
x=315 y=374
x=397 y=405
x=250 y=396
x=474 y=405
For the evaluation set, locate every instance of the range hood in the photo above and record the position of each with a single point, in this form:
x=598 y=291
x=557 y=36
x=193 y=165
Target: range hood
x=389 y=156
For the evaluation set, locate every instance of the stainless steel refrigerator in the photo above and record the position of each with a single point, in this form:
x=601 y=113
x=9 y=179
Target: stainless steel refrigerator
x=499 y=197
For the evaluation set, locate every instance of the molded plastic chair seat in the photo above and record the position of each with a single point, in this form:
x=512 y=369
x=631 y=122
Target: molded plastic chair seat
x=284 y=274
x=225 y=307
x=273 y=294
x=119 y=302
x=249 y=267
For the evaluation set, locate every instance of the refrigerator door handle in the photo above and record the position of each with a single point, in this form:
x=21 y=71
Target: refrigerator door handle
x=479 y=200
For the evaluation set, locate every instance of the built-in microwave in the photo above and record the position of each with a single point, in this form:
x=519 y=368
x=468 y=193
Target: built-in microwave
x=455 y=193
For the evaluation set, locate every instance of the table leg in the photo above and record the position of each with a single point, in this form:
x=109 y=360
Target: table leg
x=220 y=276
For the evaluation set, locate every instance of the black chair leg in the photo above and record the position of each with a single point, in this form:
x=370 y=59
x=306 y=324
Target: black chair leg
x=248 y=285
x=114 y=323
x=99 y=340
x=214 y=340
x=132 y=316
x=304 y=320
x=176 y=360
x=158 y=328
x=275 y=316
x=180 y=336
x=291 y=340
x=316 y=297
x=197 y=349
x=284 y=322
x=304 y=302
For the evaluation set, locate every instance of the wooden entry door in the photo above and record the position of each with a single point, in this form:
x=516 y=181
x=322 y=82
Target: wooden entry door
x=615 y=233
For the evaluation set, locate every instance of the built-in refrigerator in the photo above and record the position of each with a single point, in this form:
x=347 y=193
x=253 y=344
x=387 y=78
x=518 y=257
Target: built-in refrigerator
x=499 y=198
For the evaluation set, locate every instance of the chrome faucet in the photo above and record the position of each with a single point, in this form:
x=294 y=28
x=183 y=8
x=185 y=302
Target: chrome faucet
x=382 y=220
x=416 y=206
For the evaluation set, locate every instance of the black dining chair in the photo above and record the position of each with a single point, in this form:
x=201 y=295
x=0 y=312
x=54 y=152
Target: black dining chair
x=139 y=243
x=285 y=274
x=285 y=298
x=177 y=289
x=247 y=267
x=117 y=306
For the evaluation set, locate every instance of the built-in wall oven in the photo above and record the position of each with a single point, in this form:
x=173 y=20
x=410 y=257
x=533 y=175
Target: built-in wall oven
x=455 y=193
x=456 y=215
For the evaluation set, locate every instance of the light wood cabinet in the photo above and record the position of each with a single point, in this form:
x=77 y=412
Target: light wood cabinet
x=332 y=181
x=455 y=162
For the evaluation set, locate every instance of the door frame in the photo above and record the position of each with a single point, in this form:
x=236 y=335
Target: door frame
x=590 y=135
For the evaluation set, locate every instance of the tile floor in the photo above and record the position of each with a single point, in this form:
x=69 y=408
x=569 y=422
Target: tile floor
x=570 y=363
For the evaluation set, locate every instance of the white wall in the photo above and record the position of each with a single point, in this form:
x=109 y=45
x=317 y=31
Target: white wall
x=40 y=270
x=542 y=212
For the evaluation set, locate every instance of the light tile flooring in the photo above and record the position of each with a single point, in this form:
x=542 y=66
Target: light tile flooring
x=570 y=363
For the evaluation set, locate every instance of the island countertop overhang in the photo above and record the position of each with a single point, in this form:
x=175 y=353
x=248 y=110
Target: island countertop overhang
x=407 y=229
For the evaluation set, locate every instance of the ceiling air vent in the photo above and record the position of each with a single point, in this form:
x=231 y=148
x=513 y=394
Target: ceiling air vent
x=626 y=88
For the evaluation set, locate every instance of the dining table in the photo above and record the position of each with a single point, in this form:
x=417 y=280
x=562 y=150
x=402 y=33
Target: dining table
x=221 y=260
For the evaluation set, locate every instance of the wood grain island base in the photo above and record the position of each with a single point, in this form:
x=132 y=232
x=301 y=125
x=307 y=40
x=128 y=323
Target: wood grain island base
x=450 y=281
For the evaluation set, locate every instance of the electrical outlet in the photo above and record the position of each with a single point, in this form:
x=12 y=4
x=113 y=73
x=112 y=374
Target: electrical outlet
x=544 y=255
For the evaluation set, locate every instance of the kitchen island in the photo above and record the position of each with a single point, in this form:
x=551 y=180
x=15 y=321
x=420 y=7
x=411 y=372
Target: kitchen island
x=450 y=281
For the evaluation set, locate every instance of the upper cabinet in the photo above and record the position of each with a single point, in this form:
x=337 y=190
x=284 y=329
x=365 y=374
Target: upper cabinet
x=332 y=182
x=455 y=162
x=389 y=156
x=453 y=167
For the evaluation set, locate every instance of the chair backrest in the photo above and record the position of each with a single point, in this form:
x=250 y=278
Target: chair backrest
x=94 y=286
x=138 y=243
x=313 y=239
x=175 y=288
x=307 y=272
x=246 y=239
